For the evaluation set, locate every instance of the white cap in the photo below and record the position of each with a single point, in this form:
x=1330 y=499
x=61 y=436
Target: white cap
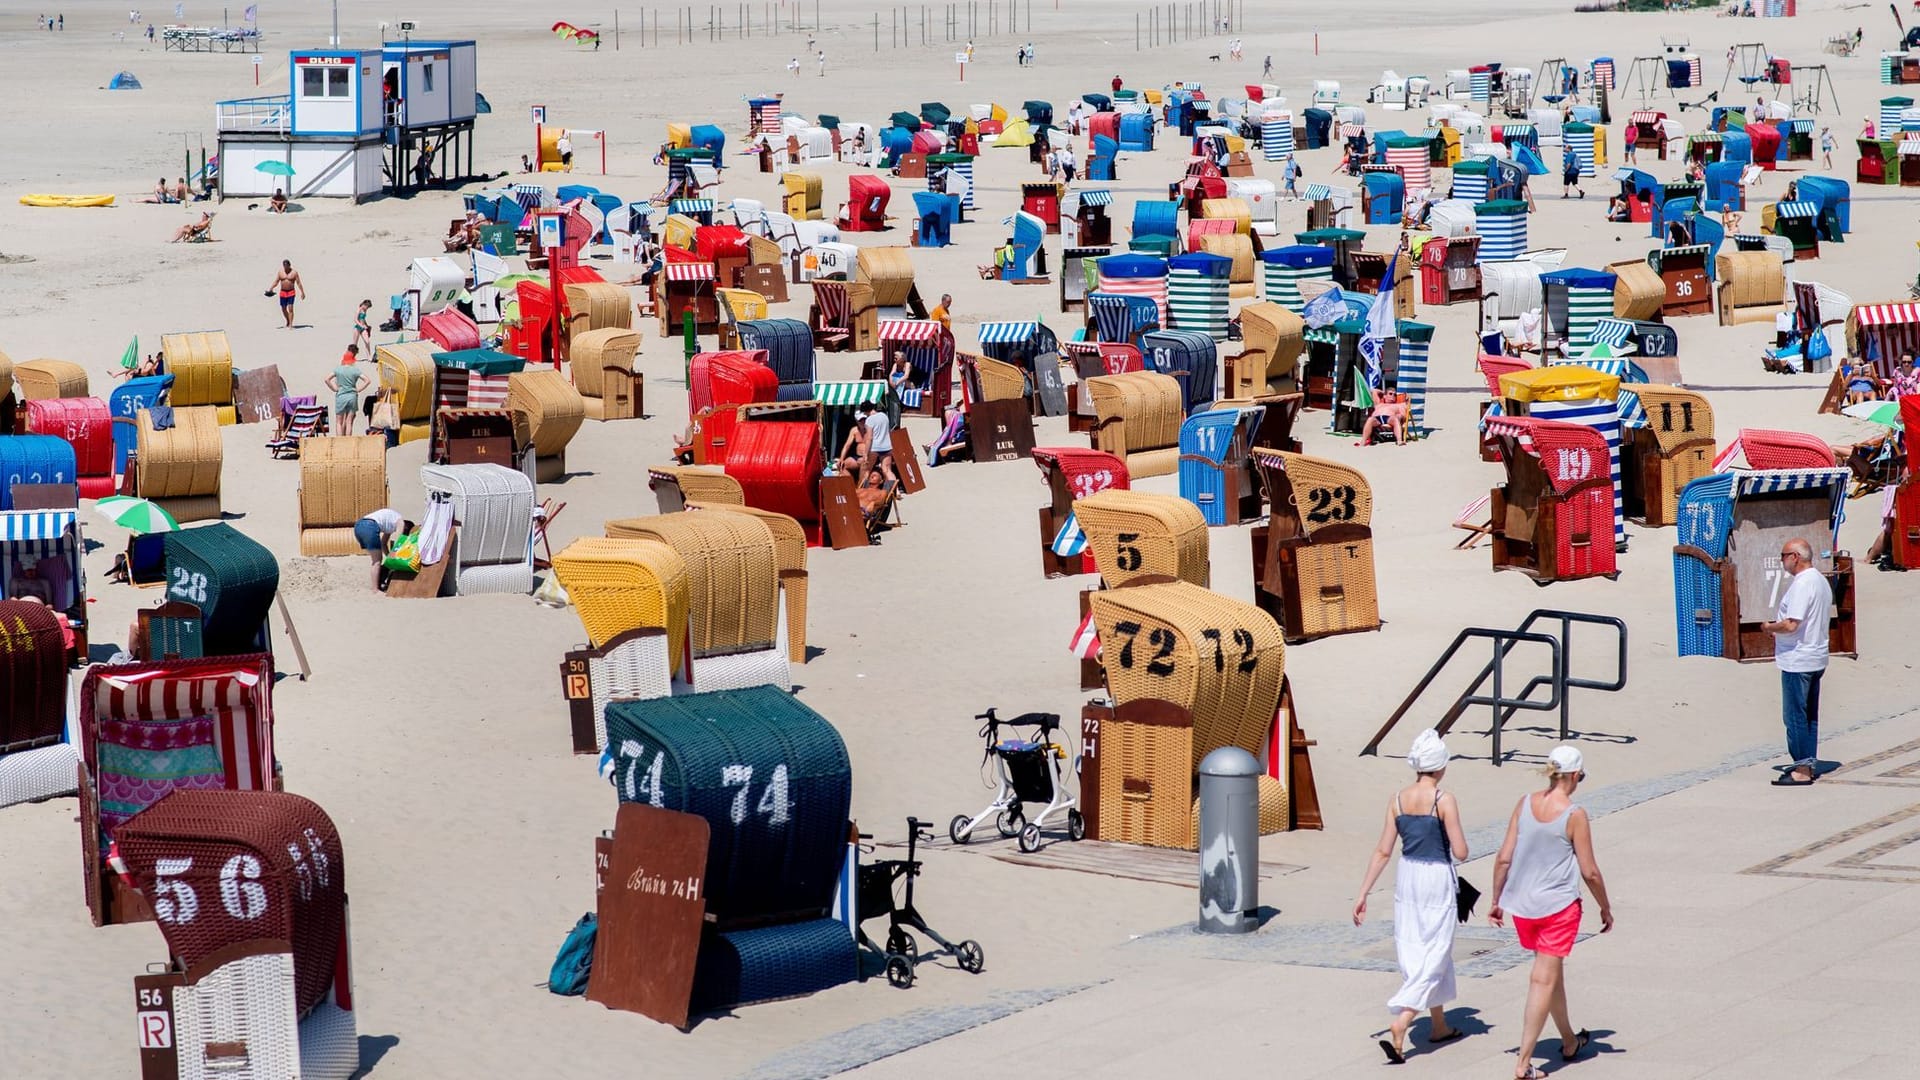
x=1566 y=760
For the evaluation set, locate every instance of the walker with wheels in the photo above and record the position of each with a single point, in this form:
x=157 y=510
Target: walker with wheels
x=1030 y=772
x=876 y=898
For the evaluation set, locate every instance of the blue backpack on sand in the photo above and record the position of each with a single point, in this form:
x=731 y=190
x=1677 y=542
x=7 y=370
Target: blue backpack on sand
x=575 y=960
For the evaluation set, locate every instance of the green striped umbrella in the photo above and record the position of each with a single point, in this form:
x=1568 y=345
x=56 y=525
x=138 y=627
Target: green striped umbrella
x=140 y=515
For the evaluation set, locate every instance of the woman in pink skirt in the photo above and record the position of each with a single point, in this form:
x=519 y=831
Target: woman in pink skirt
x=1536 y=879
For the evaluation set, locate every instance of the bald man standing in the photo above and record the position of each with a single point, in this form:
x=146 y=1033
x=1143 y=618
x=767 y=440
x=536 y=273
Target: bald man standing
x=1800 y=651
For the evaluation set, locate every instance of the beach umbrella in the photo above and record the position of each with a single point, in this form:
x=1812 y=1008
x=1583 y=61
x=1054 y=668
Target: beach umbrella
x=140 y=515
x=274 y=168
x=507 y=282
x=1875 y=412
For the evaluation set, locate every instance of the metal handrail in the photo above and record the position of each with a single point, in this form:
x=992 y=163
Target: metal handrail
x=1559 y=682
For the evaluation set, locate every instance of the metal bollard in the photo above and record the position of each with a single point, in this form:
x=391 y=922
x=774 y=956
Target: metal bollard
x=1229 y=842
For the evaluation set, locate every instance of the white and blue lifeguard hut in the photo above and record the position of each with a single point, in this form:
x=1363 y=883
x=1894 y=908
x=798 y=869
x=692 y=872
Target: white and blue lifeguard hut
x=354 y=123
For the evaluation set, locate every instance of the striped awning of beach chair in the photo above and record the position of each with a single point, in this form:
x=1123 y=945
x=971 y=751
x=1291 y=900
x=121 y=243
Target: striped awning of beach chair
x=1800 y=124
x=852 y=392
x=1611 y=332
x=529 y=196
x=1632 y=413
x=228 y=697
x=1768 y=481
x=1003 y=333
x=1080 y=348
x=1323 y=335
x=1749 y=241
x=1516 y=427
x=1096 y=197
x=1705 y=137
x=690 y=206
x=21 y=525
x=1317 y=192
x=910 y=331
x=692 y=271
x=1644 y=118
x=1792 y=210
x=1886 y=314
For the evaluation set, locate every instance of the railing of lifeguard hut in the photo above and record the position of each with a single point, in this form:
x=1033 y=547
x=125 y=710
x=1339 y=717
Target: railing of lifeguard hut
x=1558 y=681
x=256 y=114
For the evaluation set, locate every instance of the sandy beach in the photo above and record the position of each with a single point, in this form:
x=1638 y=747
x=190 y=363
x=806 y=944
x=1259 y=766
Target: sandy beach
x=435 y=734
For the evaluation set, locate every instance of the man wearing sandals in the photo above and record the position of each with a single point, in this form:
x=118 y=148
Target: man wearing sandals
x=1800 y=651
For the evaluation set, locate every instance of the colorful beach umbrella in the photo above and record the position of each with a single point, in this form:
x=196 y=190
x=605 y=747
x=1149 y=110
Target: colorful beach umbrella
x=1875 y=412
x=140 y=515
x=274 y=168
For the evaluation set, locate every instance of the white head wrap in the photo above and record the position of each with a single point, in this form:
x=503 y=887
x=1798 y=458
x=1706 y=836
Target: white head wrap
x=1428 y=753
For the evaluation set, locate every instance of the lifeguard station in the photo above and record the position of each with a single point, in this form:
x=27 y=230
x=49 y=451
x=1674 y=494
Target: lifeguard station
x=354 y=123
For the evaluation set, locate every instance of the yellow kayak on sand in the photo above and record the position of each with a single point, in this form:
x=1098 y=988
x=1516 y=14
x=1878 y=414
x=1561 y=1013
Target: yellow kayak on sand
x=66 y=200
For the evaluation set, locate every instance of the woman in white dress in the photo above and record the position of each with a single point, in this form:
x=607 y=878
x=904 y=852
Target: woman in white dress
x=1427 y=823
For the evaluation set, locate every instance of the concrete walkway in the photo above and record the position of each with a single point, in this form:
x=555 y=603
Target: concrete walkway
x=1761 y=932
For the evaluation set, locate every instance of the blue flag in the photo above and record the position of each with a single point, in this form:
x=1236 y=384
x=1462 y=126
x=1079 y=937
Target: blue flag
x=1326 y=309
x=1380 y=327
x=252 y=13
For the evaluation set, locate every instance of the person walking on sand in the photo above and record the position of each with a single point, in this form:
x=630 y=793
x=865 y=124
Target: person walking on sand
x=1826 y=145
x=1266 y=69
x=345 y=384
x=286 y=283
x=822 y=57
x=362 y=329
x=1570 y=174
x=1427 y=822
x=793 y=65
x=1536 y=878
x=1799 y=629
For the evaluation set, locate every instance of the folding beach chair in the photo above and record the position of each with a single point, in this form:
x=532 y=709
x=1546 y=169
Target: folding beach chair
x=305 y=421
x=543 y=518
x=876 y=504
x=1469 y=519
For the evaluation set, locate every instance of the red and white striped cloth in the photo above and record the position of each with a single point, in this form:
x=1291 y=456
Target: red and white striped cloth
x=690 y=271
x=1893 y=328
x=1154 y=288
x=230 y=697
x=458 y=389
x=909 y=331
x=1086 y=639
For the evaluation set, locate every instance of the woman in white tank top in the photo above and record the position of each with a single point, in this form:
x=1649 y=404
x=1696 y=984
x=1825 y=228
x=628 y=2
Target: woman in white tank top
x=1536 y=879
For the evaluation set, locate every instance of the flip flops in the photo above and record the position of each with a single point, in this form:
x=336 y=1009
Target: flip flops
x=1456 y=1033
x=1787 y=779
x=1394 y=1057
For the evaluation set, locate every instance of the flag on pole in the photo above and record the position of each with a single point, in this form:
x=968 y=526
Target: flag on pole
x=252 y=13
x=1070 y=540
x=1086 y=640
x=1380 y=327
x=1326 y=309
x=179 y=11
x=131 y=358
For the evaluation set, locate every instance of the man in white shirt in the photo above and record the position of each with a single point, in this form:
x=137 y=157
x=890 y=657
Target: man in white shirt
x=1800 y=651
x=879 y=438
x=1066 y=164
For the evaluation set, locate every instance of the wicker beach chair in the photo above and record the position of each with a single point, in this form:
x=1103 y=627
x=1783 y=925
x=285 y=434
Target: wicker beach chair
x=179 y=467
x=790 y=556
x=553 y=410
x=622 y=585
x=1138 y=534
x=148 y=729
x=1314 y=560
x=1218 y=660
x=36 y=760
x=1139 y=416
x=597 y=305
x=202 y=368
x=342 y=479
x=1674 y=449
x=406 y=374
x=733 y=589
x=493 y=551
x=38 y=379
x=674 y=486
x=1553 y=519
x=261 y=974
x=1272 y=340
x=601 y=362
x=230 y=577
x=998 y=381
